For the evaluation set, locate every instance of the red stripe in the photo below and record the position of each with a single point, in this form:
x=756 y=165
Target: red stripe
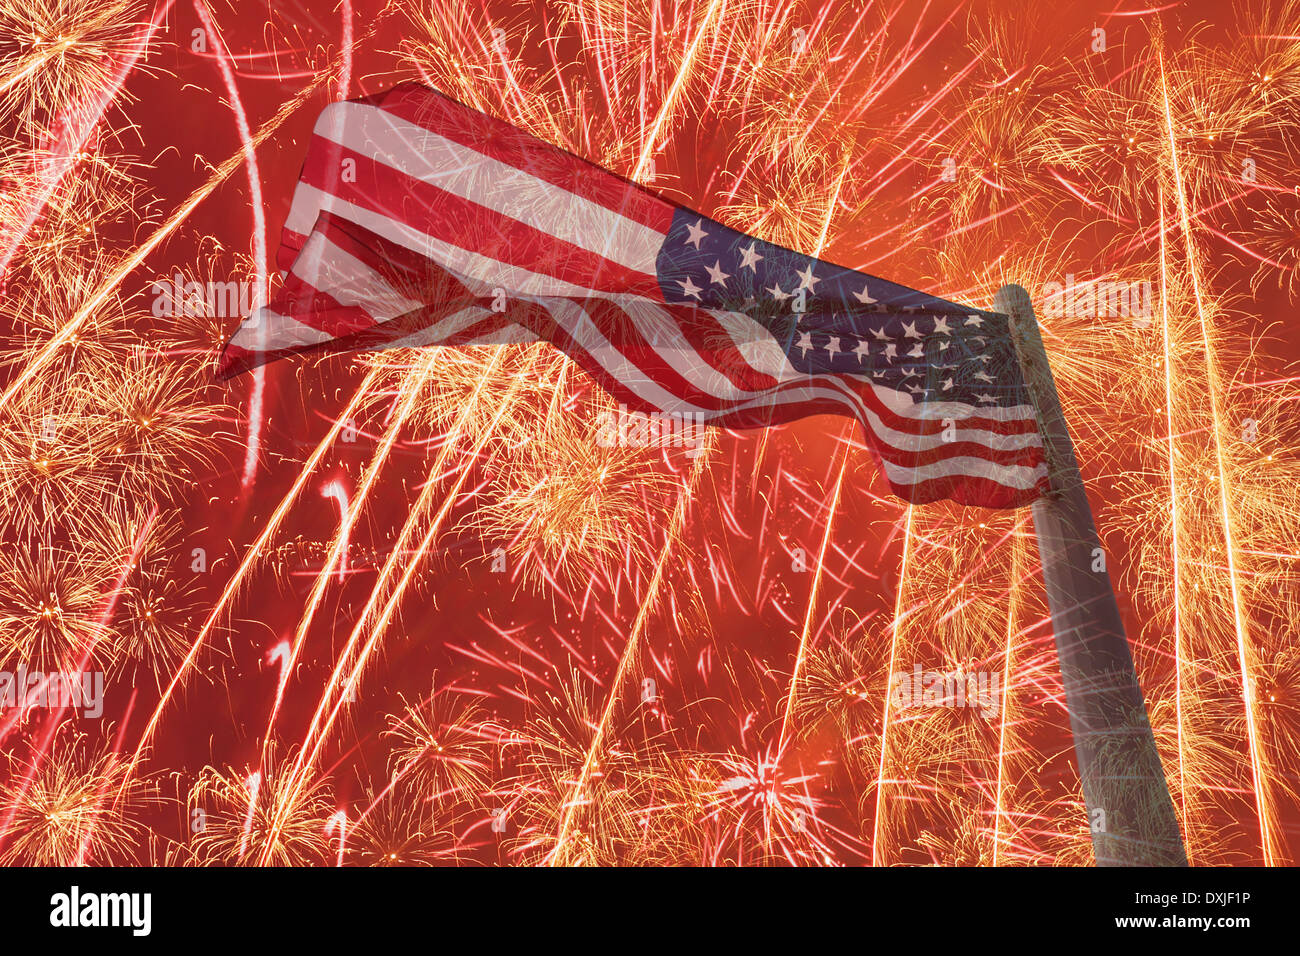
x=969 y=490
x=303 y=302
x=773 y=413
x=466 y=224
x=708 y=337
x=408 y=273
x=502 y=141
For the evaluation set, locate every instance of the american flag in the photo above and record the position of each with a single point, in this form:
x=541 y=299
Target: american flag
x=420 y=221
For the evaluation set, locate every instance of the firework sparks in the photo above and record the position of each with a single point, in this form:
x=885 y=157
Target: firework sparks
x=644 y=655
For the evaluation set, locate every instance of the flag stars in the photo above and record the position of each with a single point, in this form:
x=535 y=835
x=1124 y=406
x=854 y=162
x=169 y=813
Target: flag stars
x=985 y=398
x=808 y=280
x=805 y=343
x=941 y=326
x=974 y=320
x=864 y=296
x=777 y=292
x=862 y=351
x=697 y=233
x=750 y=258
x=909 y=330
x=982 y=376
x=689 y=287
x=716 y=275
x=833 y=346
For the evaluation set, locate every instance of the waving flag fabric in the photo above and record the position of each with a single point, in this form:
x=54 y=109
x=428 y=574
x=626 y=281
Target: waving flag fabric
x=418 y=221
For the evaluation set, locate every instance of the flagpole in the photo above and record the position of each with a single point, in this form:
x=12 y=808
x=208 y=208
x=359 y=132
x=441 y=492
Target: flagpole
x=1130 y=813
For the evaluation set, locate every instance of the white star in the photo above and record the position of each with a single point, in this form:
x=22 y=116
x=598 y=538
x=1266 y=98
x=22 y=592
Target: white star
x=918 y=351
x=777 y=292
x=983 y=376
x=947 y=384
x=915 y=388
x=833 y=346
x=696 y=233
x=689 y=287
x=805 y=342
x=809 y=280
x=716 y=274
x=941 y=327
x=985 y=398
x=751 y=258
x=891 y=350
x=909 y=330
x=864 y=296
x=880 y=335
x=974 y=320
x=862 y=351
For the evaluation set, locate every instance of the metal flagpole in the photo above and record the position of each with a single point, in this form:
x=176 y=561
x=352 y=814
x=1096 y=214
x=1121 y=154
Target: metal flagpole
x=1130 y=813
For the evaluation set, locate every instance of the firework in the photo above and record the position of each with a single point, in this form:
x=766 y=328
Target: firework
x=251 y=817
x=65 y=816
x=644 y=657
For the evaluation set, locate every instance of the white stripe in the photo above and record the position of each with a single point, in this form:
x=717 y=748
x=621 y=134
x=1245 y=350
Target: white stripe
x=273 y=330
x=835 y=390
x=489 y=271
x=1013 y=476
x=574 y=319
x=510 y=335
x=328 y=268
x=323 y=265
x=442 y=330
x=464 y=172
